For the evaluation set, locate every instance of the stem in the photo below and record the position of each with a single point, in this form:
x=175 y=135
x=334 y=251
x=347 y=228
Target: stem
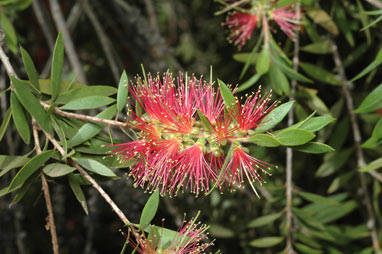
x=68 y=42
x=357 y=142
x=51 y=224
x=289 y=151
x=375 y=3
x=4 y=58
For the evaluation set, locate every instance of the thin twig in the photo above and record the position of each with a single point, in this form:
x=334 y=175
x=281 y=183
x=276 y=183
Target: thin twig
x=4 y=58
x=83 y=117
x=289 y=151
x=357 y=142
x=68 y=42
x=45 y=187
x=375 y=3
x=103 y=38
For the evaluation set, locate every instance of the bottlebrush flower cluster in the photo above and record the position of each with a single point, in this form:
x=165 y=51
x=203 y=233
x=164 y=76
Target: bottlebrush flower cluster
x=248 y=14
x=188 y=138
x=190 y=238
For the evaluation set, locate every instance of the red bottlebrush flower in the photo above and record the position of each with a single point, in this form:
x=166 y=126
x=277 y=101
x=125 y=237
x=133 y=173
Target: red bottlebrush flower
x=243 y=165
x=287 y=20
x=189 y=239
x=209 y=102
x=241 y=26
x=252 y=112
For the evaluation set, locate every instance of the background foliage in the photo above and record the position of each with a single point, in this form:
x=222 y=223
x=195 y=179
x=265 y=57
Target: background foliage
x=334 y=208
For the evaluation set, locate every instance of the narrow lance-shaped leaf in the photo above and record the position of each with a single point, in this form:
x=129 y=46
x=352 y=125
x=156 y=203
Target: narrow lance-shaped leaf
x=57 y=65
x=315 y=148
x=4 y=124
x=264 y=220
x=273 y=118
x=205 y=121
x=88 y=103
x=10 y=34
x=294 y=137
x=149 y=210
x=263 y=61
x=30 y=68
x=78 y=193
x=321 y=74
x=266 y=242
x=31 y=104
x=122 y=92
x=264 y=140
x=19 y=119
x=372 y=102
x=57 y=169
x=95 y=166
x=374 y=64
x=228 y=97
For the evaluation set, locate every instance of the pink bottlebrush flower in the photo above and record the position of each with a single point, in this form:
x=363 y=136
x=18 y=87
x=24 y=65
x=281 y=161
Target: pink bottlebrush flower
x=287 y=20
x=252 y=112
x=189 y=239
x=243 y=165
x=241 y=26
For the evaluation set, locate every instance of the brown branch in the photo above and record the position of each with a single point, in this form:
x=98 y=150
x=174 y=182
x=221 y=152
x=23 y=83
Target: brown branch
x=357 y=142
x=83 y=117
x=45 y=187
x=375 y=3
x=289 y=151
x=68 y=42
x=4 y=58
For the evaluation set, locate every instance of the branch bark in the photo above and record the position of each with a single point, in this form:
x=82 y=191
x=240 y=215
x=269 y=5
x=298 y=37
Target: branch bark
x=357 y=142
x=375 y=3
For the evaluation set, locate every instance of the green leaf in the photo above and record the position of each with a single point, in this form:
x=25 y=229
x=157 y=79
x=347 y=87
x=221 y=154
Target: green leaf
x=333 y=213
x=164 y=237
x=31 y=104
x=266 y=242
x=321 y=74
x=57 y=65
x=323 y=19
x=61 y=134
x=89 y=130
x=315 y=198
x=264 y=220
x=19 y=119
x=265 y=140
x=78 y=193
x=95 y=167
x=84 y=91
x=294 y=137
x=57 y=169
x=372 y=165
x=372 y=102
x=46 y=87
x=206 y=123
x=10 y=34
x=8 y=162
x=4 y=124
x=250 y=82
x=88 y=103
x=273 y=118
x=29 y=168
x=122 y=92
x=283 y=3
x=339 y=181
x=317 y=123
x=226 y=93
x=30 y=68
x=150 y=209
x=374 y=64
x=220 y=231
x=333 y=162
x=263 y=61
x=322 y=47
x=315 y=148
x=306 y=249
x=279 y=81
x=286 y=69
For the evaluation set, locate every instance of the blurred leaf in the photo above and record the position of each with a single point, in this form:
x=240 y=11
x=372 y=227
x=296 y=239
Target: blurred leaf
x=29 y=168
x=95 y=167
x=8 y=162
x=376 y=136
x=265 y=140
x=273 y=118
x=4 y=124
x=150 y=209
x=283 y=3
x=343 y=24
x=321 y=74
x=10 y=34
x=322 y=47
x=164 y=237
x=251 y=59
x=339 y=181
x=20 y=193
x=315 y=198
x=78 y=193
x=374 y=64
x=330 y=214
x=263 y=61
x=307 y=218
x=89 y=130
x=375 y=164
x=317 y=123
x=19 y=119
x=279 y=81
x=85 y=91
x=372 y=102
x=315 y=148
x=220 y=231
x=226 y=93
x=243 y=57
x=57 y=169
x=30 y=68
x=88 y=103
x=294 y=137
x=292 y=74
x=335 y=161
x=31 y=104
x=249 y=83
x=364 y=20
x=340 y=133
x=264 y=220
x=266 y=242
x=123 y=91
x=323 y=19
x=57 y=65
x=306 y=249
